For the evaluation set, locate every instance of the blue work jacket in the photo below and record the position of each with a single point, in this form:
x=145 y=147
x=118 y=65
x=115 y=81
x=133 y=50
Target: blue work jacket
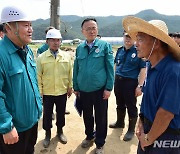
x=93 y=68
x=20 y=100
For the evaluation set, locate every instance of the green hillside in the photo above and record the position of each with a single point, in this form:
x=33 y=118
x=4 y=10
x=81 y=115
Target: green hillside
x=109 y=26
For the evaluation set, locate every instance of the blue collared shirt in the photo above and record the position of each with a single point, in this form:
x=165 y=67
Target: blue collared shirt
x=162 y=89
x=90 y=44
x=127 y=63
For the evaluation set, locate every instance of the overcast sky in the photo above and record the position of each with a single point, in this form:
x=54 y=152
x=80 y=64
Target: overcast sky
x=41 y=8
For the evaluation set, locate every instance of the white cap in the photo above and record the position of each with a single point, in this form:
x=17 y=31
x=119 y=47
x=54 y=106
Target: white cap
x=12 y=13
x=53 y=33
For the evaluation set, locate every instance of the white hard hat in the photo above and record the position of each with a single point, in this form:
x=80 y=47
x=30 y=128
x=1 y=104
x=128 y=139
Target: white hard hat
x=53 y=33
x=12 y=13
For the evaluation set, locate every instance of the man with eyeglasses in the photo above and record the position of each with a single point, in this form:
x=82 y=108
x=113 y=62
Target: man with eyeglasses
x=93 y=79
x=127 y=85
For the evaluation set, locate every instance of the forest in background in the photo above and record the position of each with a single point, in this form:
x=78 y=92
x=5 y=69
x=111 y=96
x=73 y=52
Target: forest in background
x=109 y=26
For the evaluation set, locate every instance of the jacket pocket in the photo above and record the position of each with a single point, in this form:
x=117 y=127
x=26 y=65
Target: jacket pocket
x=16 y=77
x=80 y=57
x=98 y=55
x=81 y=61
x=15 y=71
x=98 y=61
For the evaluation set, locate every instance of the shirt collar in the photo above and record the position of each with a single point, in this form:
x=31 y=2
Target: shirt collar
x=95 y=43
x=12 y=48
x=54 y=53
x=90 y=44
x=163 y=62
x=131 y=48
x=49 y=53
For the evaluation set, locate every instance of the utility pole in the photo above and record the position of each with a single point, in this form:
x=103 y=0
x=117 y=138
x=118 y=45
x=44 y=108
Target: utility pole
x=55 y=14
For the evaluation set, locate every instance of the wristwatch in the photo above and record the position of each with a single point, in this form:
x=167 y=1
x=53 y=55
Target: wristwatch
x=140 y=86
x=146 y=138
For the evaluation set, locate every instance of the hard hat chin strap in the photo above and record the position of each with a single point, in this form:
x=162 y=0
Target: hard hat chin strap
x=17 y=33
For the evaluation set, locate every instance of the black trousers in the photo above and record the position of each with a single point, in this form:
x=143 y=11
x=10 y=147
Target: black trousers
x=48 y=104
x=25 y=145
x=93 y=104
x=124 y=89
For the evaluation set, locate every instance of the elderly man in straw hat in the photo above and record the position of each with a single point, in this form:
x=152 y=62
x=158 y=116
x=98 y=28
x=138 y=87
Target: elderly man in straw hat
x=158 y=129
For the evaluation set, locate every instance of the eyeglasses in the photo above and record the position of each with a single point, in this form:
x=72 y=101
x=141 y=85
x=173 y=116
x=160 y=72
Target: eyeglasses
x=54 y=40
x=89 y=29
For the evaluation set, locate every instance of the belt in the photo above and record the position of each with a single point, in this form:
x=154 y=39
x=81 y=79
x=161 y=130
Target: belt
x=123 y=78
x=168 y=130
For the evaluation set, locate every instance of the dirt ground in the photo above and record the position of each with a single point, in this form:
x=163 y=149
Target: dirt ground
x=74 y=130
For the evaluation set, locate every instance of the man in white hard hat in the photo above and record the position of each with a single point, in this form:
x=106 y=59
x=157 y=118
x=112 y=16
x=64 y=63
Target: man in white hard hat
x=44 y=47
x=20 y=100
x=55 y=83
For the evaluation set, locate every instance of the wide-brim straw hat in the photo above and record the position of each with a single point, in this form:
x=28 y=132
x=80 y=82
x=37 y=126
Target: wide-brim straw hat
x=156 y=28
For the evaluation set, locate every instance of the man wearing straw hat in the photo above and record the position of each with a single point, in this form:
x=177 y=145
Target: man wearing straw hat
x=158 y=128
